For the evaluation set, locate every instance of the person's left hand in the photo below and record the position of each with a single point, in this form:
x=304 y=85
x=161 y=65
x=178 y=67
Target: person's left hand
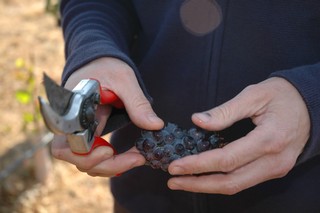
x=269 y=151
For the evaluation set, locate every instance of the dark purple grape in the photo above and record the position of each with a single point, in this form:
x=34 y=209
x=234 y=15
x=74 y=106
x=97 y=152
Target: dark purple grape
x=165 y=160
x=214 y=141
x=168 y=150
x=149 y=156
x=165 y=166
x=179 y=149
x=139 y=144
x=163 y=146
x=155 y=164
x=148 y=145
x=203 y=146
x=169 y=138
x=196 y=133
x=158 y=153
x=158 y=135
x=174 y=157
x=178 y=133
x=189 y=142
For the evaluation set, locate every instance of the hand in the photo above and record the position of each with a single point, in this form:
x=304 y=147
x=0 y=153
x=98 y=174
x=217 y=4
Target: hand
x=100 y=162
x=118 y=77
x=267 y=152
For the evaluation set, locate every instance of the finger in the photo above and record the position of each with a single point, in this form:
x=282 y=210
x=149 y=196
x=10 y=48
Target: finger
x=246 y=104
x=228 y=158
x=117 y=164
x=61 y=150
x=231 y=183
x=119 y=77
x=142 y=114
x=139 y=109
x=92 y=174
x=136 y=104
x=59 y=142
x=59 y=147
x=102 y=114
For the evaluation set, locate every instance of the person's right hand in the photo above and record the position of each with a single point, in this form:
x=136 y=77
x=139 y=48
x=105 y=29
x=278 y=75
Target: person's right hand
x=115 y=75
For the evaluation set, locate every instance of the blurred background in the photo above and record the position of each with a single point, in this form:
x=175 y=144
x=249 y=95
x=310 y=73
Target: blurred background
x=30 y=179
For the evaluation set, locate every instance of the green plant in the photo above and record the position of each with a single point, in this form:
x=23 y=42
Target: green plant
x=25 y=95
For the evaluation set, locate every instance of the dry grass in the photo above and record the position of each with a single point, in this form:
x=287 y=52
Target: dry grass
x=29 y=33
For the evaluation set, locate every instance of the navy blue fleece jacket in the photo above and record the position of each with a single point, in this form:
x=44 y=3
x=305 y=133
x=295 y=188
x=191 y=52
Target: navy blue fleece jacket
x=179 y=63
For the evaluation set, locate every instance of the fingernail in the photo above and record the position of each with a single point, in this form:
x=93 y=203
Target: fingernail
x=203 y=117
x=173 y=185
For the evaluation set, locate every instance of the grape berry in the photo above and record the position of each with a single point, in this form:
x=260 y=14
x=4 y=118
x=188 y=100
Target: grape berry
x=161 y=147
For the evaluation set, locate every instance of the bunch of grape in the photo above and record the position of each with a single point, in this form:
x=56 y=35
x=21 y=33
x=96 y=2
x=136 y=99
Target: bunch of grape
x=162 y=147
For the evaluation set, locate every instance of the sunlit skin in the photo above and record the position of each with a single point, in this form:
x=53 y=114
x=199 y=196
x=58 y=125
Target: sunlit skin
x=269 y=151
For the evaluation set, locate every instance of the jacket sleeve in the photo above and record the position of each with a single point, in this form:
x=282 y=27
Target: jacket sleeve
x=307 y=81
x=95 y=29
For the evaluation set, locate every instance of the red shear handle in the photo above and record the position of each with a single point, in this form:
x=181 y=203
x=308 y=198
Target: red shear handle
x=109 y=97
x=98 y=141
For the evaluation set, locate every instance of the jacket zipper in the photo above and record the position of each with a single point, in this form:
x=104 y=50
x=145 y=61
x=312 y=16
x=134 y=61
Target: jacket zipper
x=201 y=202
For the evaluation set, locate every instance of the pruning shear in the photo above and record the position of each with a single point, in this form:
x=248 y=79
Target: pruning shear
x=72 y=113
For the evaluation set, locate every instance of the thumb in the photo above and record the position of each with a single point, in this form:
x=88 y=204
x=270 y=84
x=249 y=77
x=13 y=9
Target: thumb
x=137 y=105
x=246 y=104
x=141 y=113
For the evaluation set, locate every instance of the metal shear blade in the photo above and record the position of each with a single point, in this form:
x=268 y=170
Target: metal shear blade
x=73 y=113
x=57 y=123
x=60 y=117
x=59 y=97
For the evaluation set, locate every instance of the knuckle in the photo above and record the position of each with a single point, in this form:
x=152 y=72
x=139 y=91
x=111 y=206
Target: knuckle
x=57 y=153
x=282 y=136
x=92 y=174
x=255 y=91
x=284 y=168
x=227 y=163
x=123 y=72
x=81 y=169
x=224 y=112
x=139 y=102
x=250 y=89
x=281 y=173
x=231 y=188
x=200 y=165
x=277 y=145
x=85 y=165
x=221 y=113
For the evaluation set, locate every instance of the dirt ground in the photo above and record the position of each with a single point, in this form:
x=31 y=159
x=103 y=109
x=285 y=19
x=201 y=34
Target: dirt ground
x=30 y=44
